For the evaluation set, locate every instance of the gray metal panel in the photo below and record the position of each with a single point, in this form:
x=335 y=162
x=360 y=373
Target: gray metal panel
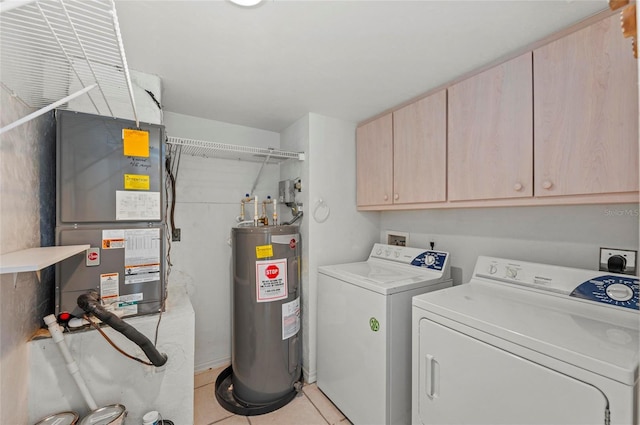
x=91 y=166
x=74 y=278
x=265 y=367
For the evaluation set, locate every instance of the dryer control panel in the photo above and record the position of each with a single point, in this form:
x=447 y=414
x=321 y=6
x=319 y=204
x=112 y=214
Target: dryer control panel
x=614 y=289
x=609 y=289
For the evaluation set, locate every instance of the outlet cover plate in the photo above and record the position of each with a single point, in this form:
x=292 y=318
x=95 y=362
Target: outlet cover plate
x=630 y=255
x=397 y=238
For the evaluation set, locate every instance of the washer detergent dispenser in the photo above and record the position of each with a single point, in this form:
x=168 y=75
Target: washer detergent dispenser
x=266 y=371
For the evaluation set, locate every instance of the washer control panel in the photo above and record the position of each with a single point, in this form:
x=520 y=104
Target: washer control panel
x=609 y=289
x=418 y=257
x=613 y=289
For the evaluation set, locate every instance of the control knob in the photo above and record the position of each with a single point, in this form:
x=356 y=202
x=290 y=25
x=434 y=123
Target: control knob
x=430 y=260
x=493 y=269
x=511 y=272
x=619 y=292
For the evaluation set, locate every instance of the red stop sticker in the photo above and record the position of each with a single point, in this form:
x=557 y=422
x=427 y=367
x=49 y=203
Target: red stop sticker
x=292 y=244
x=93 y=256
x=272 y=271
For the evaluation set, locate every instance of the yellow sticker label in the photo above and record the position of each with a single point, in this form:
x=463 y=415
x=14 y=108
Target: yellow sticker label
x=135 y=142
x=264 y=251
x=136 y=182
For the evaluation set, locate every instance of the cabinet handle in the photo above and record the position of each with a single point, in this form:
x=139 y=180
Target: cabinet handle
x=396 y=196
x=386 y=198
x=547 y=184
x=517 y=187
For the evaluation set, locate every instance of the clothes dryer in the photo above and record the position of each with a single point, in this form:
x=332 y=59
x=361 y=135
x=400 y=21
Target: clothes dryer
x=364 y=330
x=526 y=343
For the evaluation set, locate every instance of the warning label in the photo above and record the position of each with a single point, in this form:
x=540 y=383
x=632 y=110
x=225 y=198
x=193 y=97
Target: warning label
x=290 y=318
x=271 y=280
x=109 y=287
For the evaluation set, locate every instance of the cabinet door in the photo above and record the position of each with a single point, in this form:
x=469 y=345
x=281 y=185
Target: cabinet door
x=490 y=148
x=419 y=151
x=586 y=113
x=374 y=162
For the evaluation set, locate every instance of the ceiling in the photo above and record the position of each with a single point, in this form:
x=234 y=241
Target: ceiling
x=269 y=65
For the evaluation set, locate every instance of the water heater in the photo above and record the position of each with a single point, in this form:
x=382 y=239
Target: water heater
x=265 y=369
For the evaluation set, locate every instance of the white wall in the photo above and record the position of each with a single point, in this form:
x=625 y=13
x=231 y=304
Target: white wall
x=26 y=154
x=564 y=235
x=295 y=138
x=328 y=173
x=208 y=200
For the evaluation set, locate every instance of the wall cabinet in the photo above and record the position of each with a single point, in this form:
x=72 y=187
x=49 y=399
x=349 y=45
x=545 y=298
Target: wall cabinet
x=490 y=141
x=401 y=157
x=420 y=151
x=374 y=162
x=555 y=125
x=586 y=113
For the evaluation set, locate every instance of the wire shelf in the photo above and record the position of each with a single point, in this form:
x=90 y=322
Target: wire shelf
x=209 y=149
x=52 y=49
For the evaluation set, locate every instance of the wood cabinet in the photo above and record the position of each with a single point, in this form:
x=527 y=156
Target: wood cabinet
x=374 y=162
x=557 y=125
x=490 y=144
x=586 y=113
x=420 y=151
x=401 y=157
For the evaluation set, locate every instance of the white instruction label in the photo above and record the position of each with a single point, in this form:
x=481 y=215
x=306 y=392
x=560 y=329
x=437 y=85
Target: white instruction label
x=137 y=205
x=271 y=280
x=142 y=255
x=290 y=318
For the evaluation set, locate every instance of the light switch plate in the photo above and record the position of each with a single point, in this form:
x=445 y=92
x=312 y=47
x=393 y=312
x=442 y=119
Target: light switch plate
x=629 y=254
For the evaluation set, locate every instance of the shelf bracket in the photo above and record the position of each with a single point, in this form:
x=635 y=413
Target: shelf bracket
x=255 y=183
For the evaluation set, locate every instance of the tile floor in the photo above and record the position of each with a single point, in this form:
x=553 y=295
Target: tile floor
x=311 y=407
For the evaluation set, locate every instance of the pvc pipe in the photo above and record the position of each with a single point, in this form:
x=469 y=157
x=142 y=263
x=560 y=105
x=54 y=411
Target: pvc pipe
x=72 y=366
x=255 y=211
x=275 y=212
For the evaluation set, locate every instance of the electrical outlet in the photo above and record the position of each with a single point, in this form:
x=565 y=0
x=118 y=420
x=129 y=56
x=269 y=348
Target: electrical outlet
x=629 y=255
x=175 y=236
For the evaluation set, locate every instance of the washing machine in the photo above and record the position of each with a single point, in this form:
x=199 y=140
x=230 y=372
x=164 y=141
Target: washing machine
x=527 y=343
x=364 y=330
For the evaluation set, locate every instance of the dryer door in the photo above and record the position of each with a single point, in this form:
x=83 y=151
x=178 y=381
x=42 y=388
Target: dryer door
x=463 y=380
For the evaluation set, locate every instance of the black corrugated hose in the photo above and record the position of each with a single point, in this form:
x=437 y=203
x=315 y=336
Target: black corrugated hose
x=90 y=303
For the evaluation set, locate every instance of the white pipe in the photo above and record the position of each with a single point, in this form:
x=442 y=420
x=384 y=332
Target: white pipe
x=275 y=212
x=255 y=210
x=72 y=366
x=45 y=109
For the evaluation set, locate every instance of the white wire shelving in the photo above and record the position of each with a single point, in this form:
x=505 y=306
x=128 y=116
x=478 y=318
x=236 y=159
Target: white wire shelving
x=209 y=149
x=52 y=51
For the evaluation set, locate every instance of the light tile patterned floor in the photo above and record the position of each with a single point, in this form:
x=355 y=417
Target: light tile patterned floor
x=311 y=407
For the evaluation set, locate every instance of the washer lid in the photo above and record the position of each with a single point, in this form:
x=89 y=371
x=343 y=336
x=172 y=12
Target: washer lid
x=596 y=338
x=382 y=276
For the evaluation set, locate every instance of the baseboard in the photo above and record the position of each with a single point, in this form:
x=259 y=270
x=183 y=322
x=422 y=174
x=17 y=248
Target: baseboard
x=212 y=364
